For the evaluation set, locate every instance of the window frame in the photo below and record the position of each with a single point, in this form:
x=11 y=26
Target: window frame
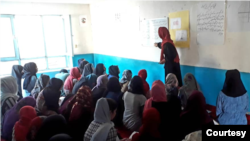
x=46 y=57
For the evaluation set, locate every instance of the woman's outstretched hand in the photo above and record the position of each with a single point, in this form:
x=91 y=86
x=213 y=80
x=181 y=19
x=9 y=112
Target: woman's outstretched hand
x=156 y=45
x=162 y=61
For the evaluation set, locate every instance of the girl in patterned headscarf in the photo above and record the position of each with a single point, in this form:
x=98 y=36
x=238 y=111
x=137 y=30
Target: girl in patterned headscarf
x=41 y=83
x=126 y=77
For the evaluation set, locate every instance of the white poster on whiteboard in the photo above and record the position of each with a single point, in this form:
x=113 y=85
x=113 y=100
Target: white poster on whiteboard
x=210 y=23
x=149 y=31
x=238 y=16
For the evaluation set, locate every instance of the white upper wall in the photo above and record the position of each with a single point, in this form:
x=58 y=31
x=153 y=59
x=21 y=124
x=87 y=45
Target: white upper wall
x=123 y=40
x=82 y=36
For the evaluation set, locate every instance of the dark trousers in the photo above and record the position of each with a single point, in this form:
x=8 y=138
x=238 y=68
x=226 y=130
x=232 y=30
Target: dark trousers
x=175 y=69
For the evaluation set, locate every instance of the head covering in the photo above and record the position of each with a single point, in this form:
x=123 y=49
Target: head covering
x=233 y=85
x=74 y=74
x=102 y=115
x=41 y=83
x=150 y=126
x=114 y=71
x=136 y=85
x=34 y=127
x=83 y=99
x=51 y=97
x=52 y=125
x=171 y=82
x=17 y=73
x=82 y=65
x=80 y=61
x=55 y=84
x=88 y=69
x=102 y=81
x=114 y=85
x=12 y=116
x=165 y=36
x=126 y=76
x=21 y=128
x=64 y=71
x=196 y=109
x=61 y=137
x=143 y=74
x=9 y=88
x=30 y=70
x=89 y=81
x=158 y=94
x=99 y=70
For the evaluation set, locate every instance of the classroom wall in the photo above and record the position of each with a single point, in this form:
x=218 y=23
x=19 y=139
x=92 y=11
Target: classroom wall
x=120 y=45
x=81 y=35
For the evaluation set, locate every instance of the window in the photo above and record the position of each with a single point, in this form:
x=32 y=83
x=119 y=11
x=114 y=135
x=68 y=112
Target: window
x=39 y=39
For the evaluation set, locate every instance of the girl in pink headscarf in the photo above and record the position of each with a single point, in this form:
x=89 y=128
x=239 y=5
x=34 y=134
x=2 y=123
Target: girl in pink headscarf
x=71 y=80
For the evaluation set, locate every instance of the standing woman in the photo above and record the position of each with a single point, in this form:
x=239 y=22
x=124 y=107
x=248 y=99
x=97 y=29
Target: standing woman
x=171 y=59
x=8 y=96
x=30 y=70
x=17 y=72
x=232 y=102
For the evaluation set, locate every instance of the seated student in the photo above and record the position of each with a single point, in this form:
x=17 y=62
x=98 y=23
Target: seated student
x=89 y=80
x=12 y=116
x=99 y=90
x=71 y=80
x=41 y=83
x=195 y=115
x=149 y=131
x=56 y=84
x=143 y=74
x=47 y=102
x=169 y=110
x=100 y=69
x=34 y=127
x=171 y=83
x=126 y=77
x=190 y=85
x=88 y=69
x=21 y=128
x=113 y=72
x=134 y=101
x=79 y=113
x=102 y=128
x=52 y=125
x=82 y=65
x=17 y=72
x=62 y=75
x=9 y=95
x=114 y=92
x=30 y=70
x=233 y=100
x=61 y=137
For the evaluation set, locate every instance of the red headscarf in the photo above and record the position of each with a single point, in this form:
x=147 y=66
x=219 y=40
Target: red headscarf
x=196 y=108
x=165 y=36
x=74 y=74
x=83 y=99
x=150 y=125
x=158 y=94
x=143 y=74
x=35 y=125
x=27 y=113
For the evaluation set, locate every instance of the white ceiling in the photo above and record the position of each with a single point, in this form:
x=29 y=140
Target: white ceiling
x=53 y=1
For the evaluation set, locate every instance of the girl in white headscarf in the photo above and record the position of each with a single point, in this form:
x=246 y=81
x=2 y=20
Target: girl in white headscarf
x=102 y=128
x=9 y=97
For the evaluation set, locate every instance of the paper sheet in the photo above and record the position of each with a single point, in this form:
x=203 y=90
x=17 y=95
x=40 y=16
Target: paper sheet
x=210 y=23
x=181 y=35
x=149 y=30
x=238 y=16
x=175 y=23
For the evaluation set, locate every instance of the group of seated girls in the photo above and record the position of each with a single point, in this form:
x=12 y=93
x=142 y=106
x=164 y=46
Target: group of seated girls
x=89 y=105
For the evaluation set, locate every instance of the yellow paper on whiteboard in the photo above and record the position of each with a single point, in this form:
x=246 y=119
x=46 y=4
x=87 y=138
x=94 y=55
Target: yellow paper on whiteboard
x=179 y=28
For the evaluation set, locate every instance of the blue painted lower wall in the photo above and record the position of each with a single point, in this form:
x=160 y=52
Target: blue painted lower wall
x=210 y=80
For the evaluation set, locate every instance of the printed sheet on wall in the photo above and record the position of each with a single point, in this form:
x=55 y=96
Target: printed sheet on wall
x=149 y=31
x=238 y=16
x=210 y=23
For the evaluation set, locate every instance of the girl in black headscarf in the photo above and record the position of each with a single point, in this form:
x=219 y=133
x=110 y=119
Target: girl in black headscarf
x=233 y=101
x=30 y=70
x=17 y=72
x=41 y=83
x=100 y=69
x=56 y=84
x=82 y=65
x=88 y=69
x=113 y=72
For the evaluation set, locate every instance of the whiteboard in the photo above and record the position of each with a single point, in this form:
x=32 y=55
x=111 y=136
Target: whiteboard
x=149 y=30
x=238 y=16
x=210 y=23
